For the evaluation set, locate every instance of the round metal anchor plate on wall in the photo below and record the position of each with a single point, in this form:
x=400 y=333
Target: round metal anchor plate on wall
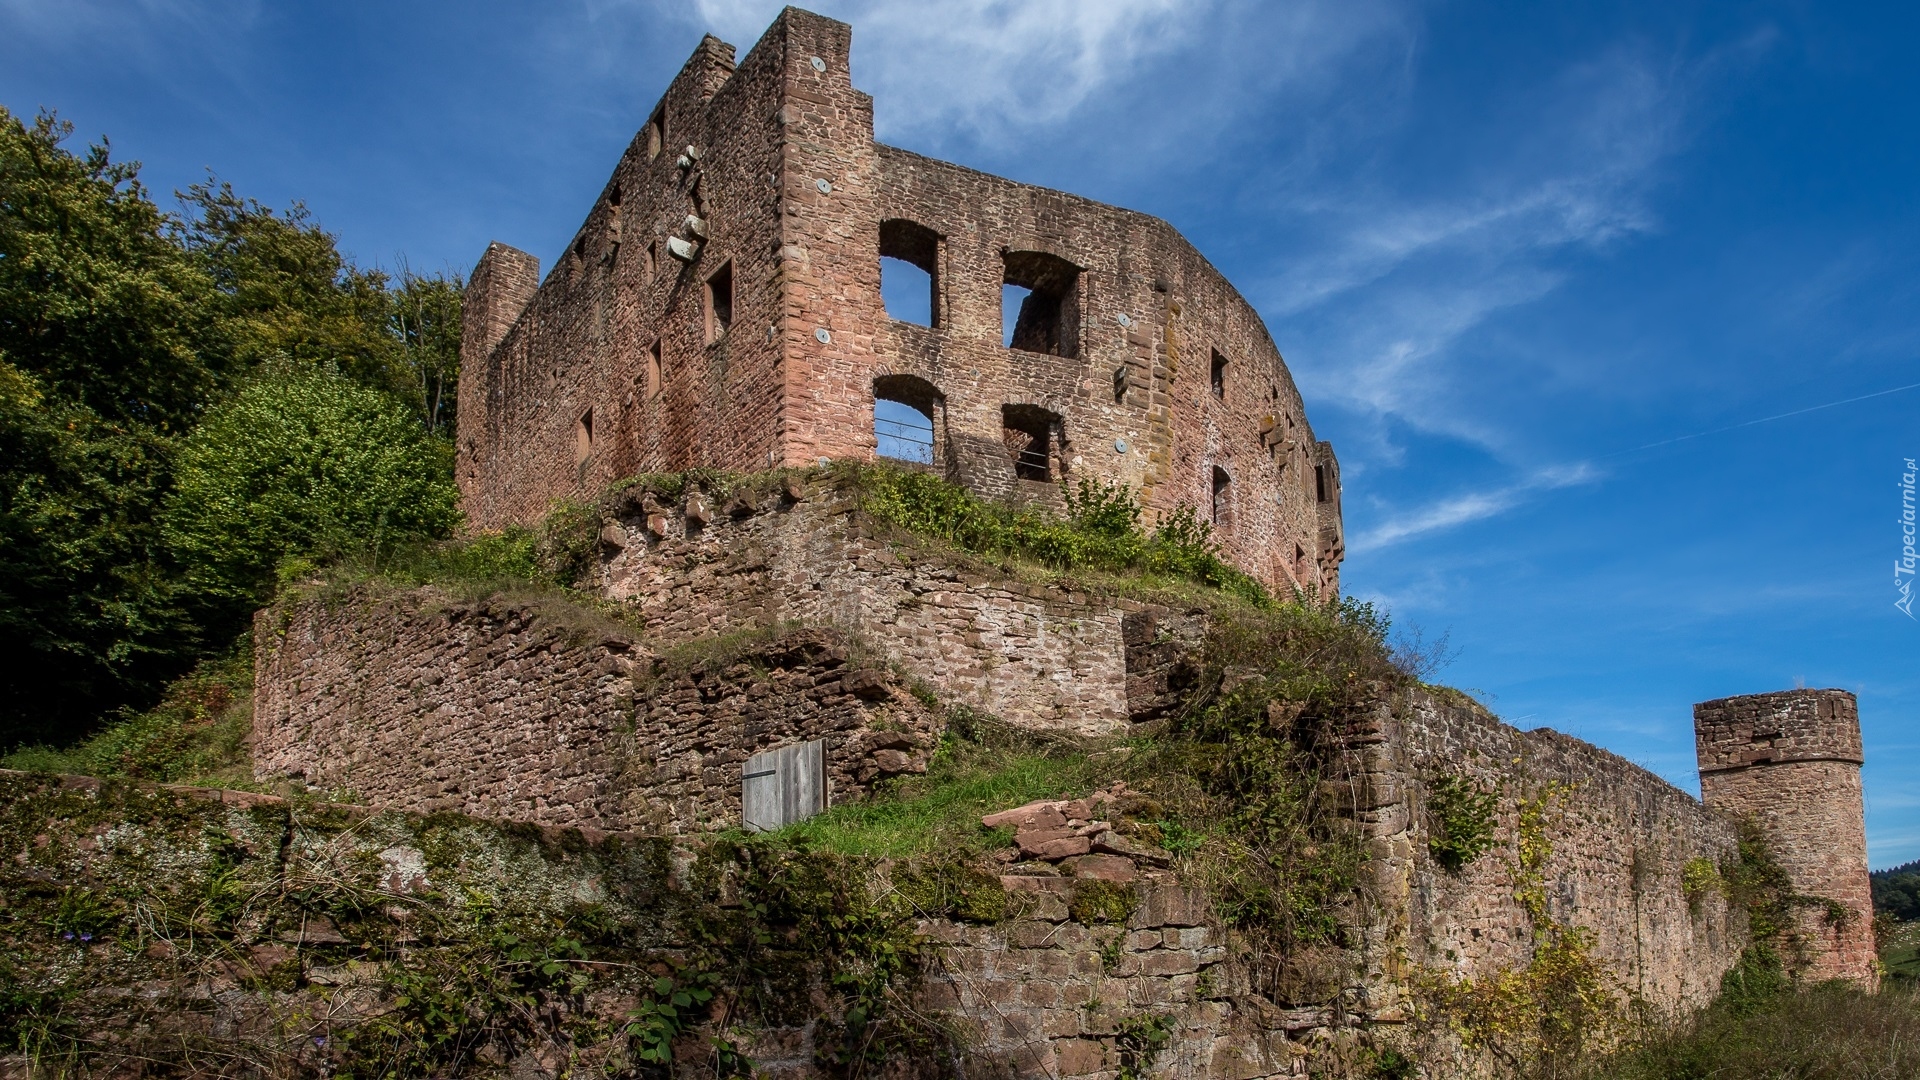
x=820 y=335
x=818 y=64
x=1119 y=446
x=825 y=188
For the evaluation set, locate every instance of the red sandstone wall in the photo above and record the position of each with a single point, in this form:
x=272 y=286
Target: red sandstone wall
x=1037 y=656
x=516 y=711
x=1621 y=837
x=794 y=190
x=1177 y=311
x=1791 y=762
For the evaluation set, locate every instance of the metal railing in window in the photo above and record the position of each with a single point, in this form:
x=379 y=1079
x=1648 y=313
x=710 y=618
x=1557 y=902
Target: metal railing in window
x=1033 y=465
x=903 y=441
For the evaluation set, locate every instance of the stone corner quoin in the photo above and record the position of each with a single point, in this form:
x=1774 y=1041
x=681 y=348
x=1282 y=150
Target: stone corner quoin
x=720 y=306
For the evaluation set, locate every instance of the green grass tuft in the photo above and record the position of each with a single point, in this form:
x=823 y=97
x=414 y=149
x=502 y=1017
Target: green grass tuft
x=939 y=813
x=1825 y=1032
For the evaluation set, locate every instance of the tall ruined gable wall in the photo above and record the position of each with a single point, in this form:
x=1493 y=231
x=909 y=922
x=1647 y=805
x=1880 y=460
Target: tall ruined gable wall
x=1620 y=838
x=583 y=343
x=1178 y=310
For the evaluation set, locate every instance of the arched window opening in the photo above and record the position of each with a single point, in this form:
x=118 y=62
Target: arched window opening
x=583 y=438
x=904 y=412
x=1222 y=497
x=910 y=272
x=1035 y=439
x=1219 y=375
x=656 y=133
x=1041 y=292
x=653 y=372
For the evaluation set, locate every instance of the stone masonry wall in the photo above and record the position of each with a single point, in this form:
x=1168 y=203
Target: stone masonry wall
x=1620 y=838
x=1044 y=656
x=1791 y=762
x=766 y=174
x=514 y=710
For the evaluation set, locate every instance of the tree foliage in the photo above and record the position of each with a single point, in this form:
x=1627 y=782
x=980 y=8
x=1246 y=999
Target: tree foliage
x=300 y=462
x=120 y=326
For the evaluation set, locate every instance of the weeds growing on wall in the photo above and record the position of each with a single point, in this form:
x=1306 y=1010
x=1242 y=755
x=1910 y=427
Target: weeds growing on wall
x=1255 y=769
x=1545 y=1018
x=401 y=947
x=1460 y=817
x=1103 y=528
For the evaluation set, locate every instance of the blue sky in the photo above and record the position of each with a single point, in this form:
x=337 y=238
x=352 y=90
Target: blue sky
x=1506 y=250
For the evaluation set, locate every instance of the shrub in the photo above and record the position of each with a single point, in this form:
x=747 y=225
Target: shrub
x=1460 y=820
x=301 y=464
x=1698 y=878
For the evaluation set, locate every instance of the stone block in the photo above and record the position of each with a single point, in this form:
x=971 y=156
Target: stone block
x=1079 y=1057
x=1104 y=868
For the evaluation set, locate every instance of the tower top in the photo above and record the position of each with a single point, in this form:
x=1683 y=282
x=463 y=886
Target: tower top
x=1768 y=729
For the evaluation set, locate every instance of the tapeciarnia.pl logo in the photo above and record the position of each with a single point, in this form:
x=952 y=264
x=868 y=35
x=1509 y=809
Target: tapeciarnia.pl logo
x=1903 y=567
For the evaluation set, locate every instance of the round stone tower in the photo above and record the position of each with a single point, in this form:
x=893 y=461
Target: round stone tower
x=1790 y=761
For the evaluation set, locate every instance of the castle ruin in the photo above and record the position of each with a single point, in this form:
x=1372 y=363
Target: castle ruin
x=721 y=306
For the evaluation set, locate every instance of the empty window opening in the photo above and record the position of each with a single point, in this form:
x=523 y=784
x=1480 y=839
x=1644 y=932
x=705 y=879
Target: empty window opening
x=583 y=438
x=656 y=134
x=1222 y=496
x=1013 y=299
x=1320 y=483
x=1219 y=375
x=653 y=258
x=613 y=224
x=1040 y=293
x=910 y=272
x=1034 y=439
x=653 y=371
x=905 y=409
x=720 y=301
x=580 y=249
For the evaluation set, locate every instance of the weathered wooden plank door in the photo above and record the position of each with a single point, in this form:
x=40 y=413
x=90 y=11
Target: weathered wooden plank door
x=780 y=787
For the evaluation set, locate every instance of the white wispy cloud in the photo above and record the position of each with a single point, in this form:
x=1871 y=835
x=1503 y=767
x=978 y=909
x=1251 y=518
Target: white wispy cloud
x=1464 y=507
x=1397 y=280
x=988 y=71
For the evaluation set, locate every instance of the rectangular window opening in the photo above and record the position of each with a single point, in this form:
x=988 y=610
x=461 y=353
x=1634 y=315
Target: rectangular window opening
x=653 y=372
x=720 y=302
x=1320 y=483
x=1219 y=375
x=1035 y=439
x=1040 y=304
x=583 y=438
x=910 y=272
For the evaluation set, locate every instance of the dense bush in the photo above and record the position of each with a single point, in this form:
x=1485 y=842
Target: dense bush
x=301 y=463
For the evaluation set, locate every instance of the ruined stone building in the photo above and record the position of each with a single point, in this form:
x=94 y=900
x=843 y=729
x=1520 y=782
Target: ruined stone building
x=721 y=306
